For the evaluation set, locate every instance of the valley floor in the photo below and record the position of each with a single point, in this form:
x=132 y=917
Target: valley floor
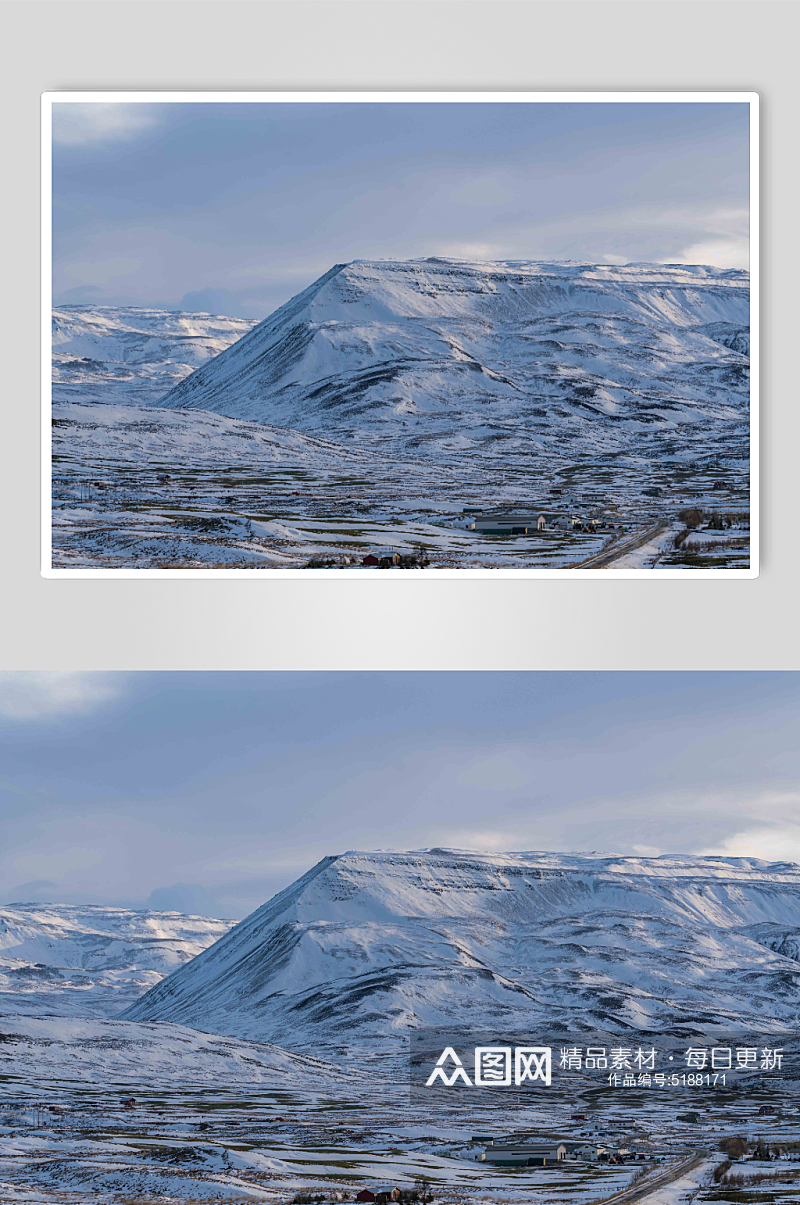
x=115 y=1113
x=145 y=488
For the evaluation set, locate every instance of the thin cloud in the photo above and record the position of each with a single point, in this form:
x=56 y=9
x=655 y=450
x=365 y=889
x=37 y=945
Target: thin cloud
x=86 y=124
x=472 y=251
x=30 y=695
x=235 y=199
x=207 y=779
x=719 y=253
x=774 y=843
x=768 y=827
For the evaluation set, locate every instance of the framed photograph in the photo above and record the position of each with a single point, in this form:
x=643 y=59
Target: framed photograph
x=446 y=334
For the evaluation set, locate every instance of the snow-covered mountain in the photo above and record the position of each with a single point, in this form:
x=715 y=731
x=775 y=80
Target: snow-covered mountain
x=110 y=354
x=572 y=358
x=369 y=945
x=89 y=960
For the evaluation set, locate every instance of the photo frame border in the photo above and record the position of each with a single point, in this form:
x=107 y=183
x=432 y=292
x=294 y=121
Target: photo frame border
x=54 y=98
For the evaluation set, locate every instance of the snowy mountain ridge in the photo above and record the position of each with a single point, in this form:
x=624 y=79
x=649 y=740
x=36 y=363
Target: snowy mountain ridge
x=90 y=960
x=130 y=354
x=365 y=946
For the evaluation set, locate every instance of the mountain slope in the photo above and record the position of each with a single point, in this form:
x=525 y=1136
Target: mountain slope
x=584 y=359
x=125 y=354
x=70 y=1053
x=366 y=945
x=91 y=961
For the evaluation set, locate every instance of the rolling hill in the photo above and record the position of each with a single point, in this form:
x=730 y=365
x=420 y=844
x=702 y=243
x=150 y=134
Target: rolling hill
x=124 y=354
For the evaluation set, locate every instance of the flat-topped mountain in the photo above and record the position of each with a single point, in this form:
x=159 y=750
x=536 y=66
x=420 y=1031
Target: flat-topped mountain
x=578 y=358
x=369 y=945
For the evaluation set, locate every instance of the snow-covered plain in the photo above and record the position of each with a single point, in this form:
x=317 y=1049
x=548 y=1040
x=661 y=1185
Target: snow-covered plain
x=371 y=409
x=235 y=497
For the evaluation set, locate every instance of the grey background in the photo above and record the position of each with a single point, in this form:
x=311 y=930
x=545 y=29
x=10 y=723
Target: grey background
x=387 y=621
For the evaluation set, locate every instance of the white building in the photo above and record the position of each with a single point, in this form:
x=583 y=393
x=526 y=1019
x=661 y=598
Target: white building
x=589 y=1152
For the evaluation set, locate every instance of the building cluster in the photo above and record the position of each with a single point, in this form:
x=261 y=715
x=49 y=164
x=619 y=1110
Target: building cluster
x=381 y=1196
x=566 y=514
x=544 y=1152
x=390 y=559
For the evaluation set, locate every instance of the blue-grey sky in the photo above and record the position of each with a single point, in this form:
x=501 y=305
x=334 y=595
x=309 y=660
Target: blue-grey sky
x=236 y=207
x=119 y=788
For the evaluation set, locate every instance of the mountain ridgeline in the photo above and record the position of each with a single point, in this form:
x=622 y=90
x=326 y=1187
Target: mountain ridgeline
x=127 y=354
x=370 y=945
x=89 y=960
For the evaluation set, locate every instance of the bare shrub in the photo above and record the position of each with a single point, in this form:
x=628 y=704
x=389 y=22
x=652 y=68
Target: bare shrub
x=734 y=1146
x=721 y=1170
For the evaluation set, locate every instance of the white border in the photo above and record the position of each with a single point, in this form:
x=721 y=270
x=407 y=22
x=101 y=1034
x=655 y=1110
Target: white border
x=257 y=574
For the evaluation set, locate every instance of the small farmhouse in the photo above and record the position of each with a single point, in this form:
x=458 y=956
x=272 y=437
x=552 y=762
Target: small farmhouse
x=589 y=1152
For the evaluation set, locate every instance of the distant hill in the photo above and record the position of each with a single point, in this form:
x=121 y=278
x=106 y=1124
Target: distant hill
x=91 y=961
x=125 y=354
x=369 y=945
x=578 y=359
